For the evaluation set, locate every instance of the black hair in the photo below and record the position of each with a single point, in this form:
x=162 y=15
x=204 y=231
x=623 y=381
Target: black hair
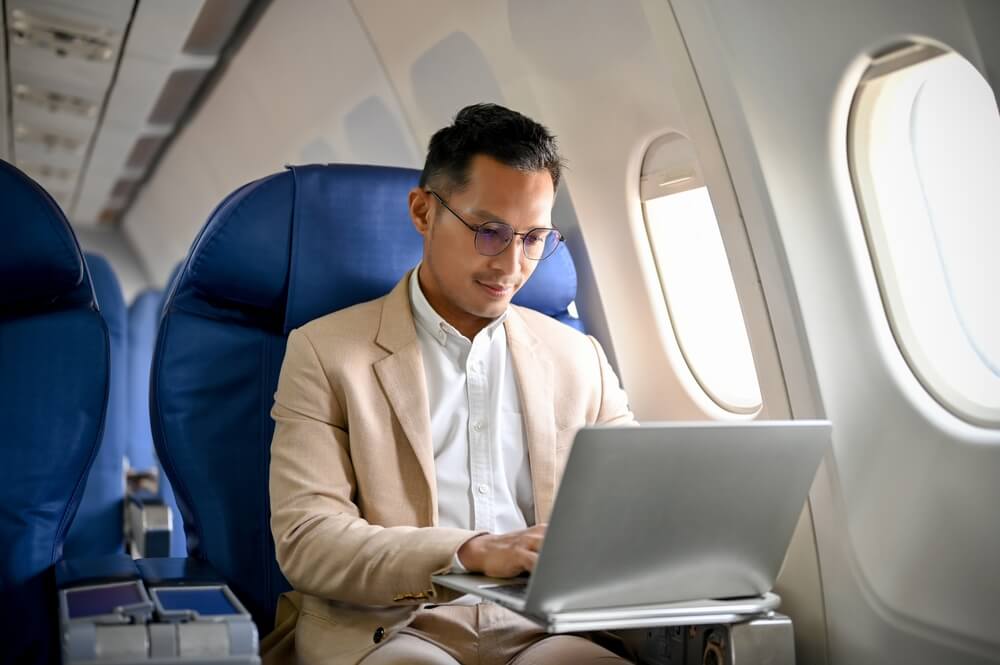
x=507 y=136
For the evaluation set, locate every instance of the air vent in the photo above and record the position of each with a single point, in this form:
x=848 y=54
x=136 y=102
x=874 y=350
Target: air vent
x=143 y=152
x=123 y=189
x=51 y=140
x=176 y=95
x=214 y=25
x=64 y=37
x=55 y=102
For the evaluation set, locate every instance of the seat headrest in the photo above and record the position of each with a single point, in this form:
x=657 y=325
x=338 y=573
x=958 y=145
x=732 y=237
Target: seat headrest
x=296 y=245
x=354 y=239
x=40 y=259
x=241 y=256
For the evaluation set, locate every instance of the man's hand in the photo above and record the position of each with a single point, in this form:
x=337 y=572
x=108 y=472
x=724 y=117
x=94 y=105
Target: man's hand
x=506 y=555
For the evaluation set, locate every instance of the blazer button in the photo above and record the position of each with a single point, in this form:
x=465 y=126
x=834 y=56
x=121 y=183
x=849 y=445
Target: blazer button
x=379 y=634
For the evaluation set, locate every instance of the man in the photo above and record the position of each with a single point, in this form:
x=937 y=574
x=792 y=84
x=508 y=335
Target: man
x=425 y=431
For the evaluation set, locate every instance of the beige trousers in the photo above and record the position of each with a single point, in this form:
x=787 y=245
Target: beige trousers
x=484 y=634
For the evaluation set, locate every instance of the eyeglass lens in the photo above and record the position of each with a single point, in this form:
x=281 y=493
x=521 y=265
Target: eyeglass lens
x=494 y=237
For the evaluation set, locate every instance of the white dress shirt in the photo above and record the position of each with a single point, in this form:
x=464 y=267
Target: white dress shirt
x=480 y=455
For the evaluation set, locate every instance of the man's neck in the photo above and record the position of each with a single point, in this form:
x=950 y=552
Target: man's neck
x=467 y=324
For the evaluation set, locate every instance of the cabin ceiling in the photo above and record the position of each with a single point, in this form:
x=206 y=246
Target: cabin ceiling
x=92 y=92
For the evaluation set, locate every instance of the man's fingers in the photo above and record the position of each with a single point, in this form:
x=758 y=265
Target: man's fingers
x=528 y=560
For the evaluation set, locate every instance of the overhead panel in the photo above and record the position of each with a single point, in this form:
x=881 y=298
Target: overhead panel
x=153 y=51
x=62 y=59
x=96 y=90
x=172 y=47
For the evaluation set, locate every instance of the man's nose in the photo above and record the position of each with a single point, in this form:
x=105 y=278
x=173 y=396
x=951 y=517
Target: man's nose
x=509 y=260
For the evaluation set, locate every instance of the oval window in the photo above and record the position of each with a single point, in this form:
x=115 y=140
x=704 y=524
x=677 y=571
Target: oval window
x=695 y=276
x=924 y=148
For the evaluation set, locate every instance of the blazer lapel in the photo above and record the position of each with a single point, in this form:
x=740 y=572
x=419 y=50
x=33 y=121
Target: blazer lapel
x=402 y=377
x=534 y=381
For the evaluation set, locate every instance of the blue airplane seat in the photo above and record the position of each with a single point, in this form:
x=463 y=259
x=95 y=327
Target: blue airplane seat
x=54 y=382
x=275 y=254
x=98 y=529
x=143 y=321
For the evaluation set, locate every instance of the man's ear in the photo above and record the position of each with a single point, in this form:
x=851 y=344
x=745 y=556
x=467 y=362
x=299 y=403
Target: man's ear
x=420 y=210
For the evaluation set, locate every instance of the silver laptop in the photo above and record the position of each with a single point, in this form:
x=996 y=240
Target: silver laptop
x=648 y=519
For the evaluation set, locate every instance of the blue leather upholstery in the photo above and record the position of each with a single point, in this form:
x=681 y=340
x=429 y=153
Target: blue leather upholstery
x=143 y=321
x=98 y=527
x=275 y=254
x=54 y=378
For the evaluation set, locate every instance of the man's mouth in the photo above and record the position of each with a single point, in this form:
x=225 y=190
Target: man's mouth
x=496 y=290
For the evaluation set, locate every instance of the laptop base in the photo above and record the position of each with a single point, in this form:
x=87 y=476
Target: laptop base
x=686 y=613
x=692 y=613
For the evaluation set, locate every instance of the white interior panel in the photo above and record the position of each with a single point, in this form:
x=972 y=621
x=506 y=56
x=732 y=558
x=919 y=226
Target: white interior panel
x=904 y=506
x=305 y=86
x=152 y=53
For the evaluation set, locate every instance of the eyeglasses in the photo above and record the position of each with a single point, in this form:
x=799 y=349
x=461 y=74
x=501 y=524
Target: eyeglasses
x=494 y=237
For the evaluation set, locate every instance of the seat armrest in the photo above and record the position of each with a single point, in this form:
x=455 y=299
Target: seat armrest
x=149 y=524
x=165 y=610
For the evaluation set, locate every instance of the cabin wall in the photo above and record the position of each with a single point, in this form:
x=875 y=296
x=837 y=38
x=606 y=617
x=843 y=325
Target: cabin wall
x=901 y=503
x=984 y=17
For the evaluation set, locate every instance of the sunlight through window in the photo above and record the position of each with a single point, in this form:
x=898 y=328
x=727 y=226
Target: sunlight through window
x=925 y=155
x=701 y=297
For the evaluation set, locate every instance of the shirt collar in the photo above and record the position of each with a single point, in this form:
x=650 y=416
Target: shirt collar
x=432 y=323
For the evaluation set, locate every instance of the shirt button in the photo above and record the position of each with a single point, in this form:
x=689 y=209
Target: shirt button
x=483 y=488
x=379 y=634
x=478 y=426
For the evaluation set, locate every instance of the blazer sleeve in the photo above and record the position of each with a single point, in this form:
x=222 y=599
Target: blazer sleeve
x=614 y=408
x=323 y=546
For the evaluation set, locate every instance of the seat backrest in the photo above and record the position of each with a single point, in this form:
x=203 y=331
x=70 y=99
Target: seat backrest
x=143 y=321
x=98 y=528
x=274 y=255
x=54 y=380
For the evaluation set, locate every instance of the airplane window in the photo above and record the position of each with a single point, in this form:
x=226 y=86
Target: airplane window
x=694 y=272
x=925 y=159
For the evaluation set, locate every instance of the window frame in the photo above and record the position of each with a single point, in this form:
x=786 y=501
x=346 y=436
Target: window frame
x=895 y=305
x=684 y=175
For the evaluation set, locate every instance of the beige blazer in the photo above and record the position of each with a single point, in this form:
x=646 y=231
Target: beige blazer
x=353 y=493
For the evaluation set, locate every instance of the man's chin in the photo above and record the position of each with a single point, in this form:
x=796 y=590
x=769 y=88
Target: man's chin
x=490 y=311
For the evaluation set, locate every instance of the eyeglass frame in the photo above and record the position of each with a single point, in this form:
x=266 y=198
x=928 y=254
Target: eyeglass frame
x=475 y=228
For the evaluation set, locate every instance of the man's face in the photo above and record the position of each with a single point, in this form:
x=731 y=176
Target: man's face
x=466 y=288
